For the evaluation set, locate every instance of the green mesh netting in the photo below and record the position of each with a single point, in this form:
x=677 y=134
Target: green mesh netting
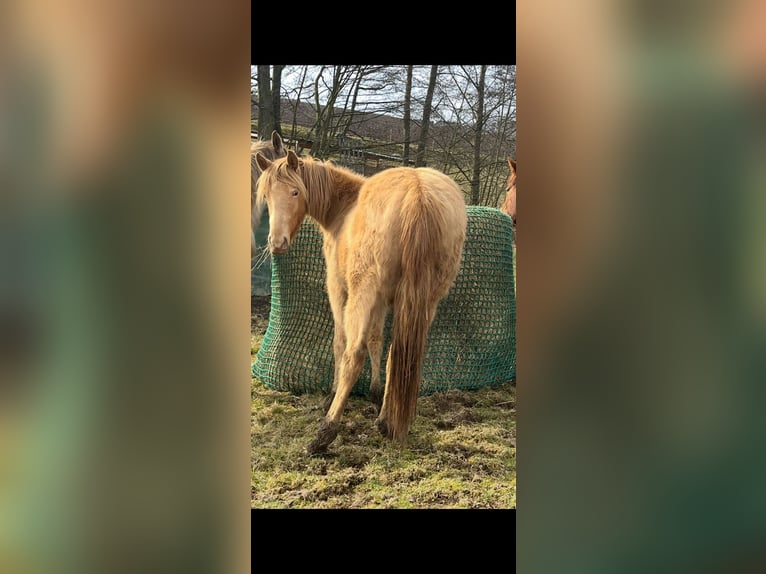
x=471 y=344
x=260 y=271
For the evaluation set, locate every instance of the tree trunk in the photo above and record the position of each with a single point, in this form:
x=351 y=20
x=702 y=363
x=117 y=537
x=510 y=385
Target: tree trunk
x=406 y=120
x=276 y=94
x=266 y=122
x=329 y=112
x=316 y=129
x=476 y=179
x=420 y=159
x=324 y=128
x=296 y=107
x=346 y=118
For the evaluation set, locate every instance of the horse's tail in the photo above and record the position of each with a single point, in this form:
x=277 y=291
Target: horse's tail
x=413 y=310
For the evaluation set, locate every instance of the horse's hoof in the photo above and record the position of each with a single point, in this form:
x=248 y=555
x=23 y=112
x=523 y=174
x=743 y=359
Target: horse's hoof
x=325 y=435
x=314 y=448
x=376 y=397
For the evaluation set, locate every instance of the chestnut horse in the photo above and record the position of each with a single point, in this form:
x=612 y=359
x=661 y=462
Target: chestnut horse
x=271 y=149
x=394 y=239
x=509 y=205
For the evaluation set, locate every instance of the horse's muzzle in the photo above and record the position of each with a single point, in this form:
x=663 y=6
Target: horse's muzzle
x=278 y=248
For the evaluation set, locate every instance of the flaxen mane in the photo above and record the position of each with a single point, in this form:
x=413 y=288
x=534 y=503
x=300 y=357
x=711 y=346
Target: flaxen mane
x=327 y=182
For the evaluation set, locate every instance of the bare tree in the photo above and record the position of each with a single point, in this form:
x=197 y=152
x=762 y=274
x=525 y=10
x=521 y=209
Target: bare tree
x=347 y=116
x=472 y=134
x=420 y=159
x=276 y=91
x=468 y=118
x=406 y=119
x=266 y=119
x=453 y=137
x=501 y=127
x=297 y=101
x=267 y=98
x=341 y=75
x=479 y=127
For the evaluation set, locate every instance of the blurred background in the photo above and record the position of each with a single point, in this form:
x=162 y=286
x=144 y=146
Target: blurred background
x=124 y=368
x=641 y=293
x=124 y=356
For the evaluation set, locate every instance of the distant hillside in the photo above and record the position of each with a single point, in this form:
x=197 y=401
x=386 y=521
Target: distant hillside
x=364 y=124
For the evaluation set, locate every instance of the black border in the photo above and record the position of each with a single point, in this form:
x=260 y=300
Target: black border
x=458 y=535
x=384 y=537
x=390 y=36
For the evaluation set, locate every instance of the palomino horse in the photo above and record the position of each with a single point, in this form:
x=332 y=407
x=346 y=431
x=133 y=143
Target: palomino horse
x=509 y=205
x=273 y=149
x=394 y=239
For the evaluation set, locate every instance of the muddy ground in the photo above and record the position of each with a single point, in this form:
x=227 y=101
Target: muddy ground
x=461 y=451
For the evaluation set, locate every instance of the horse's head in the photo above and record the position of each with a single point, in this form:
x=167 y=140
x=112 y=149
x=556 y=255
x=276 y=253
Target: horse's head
x=509 y=206
x=282 y=189
x=272 y=150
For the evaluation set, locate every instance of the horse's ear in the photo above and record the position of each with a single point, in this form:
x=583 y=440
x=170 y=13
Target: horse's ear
x=292 y=160
x=512 y=165
x=276 y=141
x=261 y=161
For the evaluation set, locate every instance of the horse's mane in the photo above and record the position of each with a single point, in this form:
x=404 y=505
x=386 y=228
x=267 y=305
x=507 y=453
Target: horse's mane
x=263 y=146
x=322 y=182
x=266 y=149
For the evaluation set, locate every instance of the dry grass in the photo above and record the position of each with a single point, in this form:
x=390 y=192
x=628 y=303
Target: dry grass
x=461 y=451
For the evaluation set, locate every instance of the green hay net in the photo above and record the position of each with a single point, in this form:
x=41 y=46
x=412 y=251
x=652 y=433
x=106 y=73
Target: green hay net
x=472 y=341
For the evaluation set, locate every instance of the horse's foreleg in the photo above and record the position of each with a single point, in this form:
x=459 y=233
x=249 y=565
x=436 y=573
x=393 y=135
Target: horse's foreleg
x=338 y=346
x=356 y=326
x=337 y=296
x=375 y=349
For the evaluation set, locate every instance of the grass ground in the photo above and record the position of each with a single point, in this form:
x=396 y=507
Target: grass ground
x=461 y=451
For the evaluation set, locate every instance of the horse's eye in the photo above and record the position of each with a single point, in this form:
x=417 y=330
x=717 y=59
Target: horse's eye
x=294 y=193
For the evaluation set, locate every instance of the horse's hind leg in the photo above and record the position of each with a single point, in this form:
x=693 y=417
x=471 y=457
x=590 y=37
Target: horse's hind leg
x=375 y=349
x=356 y=325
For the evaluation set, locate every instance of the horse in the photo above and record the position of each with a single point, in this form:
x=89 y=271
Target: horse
x=272 y=149
x=509 y=205
x=393 y=240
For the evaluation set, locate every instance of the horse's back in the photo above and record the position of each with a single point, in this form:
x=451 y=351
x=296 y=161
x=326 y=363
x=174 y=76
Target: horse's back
x=395 y=192
x=403 y=178
x=395 y=201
